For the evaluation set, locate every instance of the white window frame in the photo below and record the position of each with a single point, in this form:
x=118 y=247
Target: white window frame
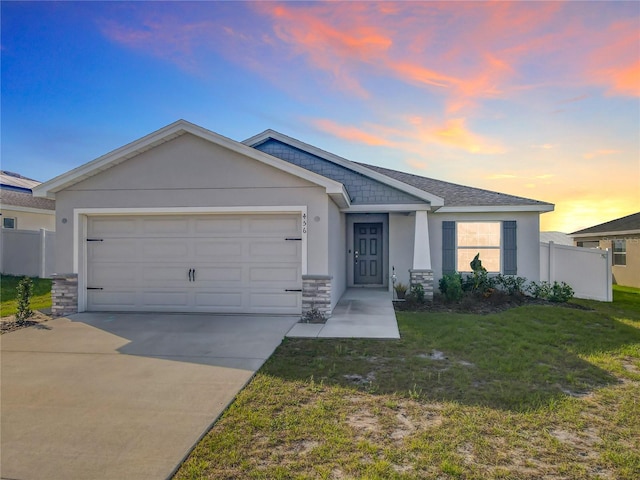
x=478 y=249
x=620 y=253
x=15 y=223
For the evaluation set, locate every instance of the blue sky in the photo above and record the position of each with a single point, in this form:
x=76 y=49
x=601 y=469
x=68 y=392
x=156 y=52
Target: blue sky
x=539 y=99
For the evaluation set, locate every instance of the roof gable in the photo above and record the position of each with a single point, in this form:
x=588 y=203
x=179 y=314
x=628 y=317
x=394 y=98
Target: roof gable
x=260 y=139
x=48 y=189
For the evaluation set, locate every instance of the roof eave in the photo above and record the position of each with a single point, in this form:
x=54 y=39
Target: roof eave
x=540 y=208
x=605 y=234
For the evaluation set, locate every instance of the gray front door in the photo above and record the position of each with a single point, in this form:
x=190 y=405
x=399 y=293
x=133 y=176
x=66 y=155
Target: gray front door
x=367 y=253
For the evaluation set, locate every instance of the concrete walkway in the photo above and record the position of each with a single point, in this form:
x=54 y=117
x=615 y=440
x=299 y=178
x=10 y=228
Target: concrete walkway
x=119 y=396
x=360 y=313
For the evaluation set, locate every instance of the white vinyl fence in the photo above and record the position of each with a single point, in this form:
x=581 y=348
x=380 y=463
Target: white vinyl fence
x=27 y=252
x=586 y=270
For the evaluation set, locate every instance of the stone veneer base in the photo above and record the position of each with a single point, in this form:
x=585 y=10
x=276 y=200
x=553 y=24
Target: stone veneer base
x=316 y=294
x=64 y=294
x=424 y=278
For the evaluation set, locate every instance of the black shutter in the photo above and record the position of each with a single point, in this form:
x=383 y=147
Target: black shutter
x=448 y=247
x=509 y=248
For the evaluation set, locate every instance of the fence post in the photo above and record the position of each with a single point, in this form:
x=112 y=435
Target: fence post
x=552 y=262
x=608 y=263
x=43 y=252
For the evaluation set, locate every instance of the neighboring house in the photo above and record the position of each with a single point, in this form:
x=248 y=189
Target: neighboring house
x=558 y=238
x=622 y=236
x=19 y=209
x=187 y=220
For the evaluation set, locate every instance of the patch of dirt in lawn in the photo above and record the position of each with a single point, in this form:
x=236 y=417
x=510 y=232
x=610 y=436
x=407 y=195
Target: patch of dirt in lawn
x=9 y=323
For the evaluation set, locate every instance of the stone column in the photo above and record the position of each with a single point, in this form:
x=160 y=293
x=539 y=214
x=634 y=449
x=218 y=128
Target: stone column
x=424 y=278
x=316 y=293
x=64 y=294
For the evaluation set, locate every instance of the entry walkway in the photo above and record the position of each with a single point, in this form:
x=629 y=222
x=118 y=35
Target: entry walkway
x=360 y=313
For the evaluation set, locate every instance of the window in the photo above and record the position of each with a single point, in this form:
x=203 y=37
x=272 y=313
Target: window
x=589 y=244
x=8 y=222
x=478 y=237
x=619 y=252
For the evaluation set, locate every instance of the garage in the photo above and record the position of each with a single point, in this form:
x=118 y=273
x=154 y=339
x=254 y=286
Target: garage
x=219 y=263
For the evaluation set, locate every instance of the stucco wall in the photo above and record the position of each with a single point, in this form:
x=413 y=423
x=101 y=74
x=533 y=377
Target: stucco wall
x=337 y=252
x=528 y=234
x=191 y=172
x=401 y=239
x=31 y=220
x=629 y=274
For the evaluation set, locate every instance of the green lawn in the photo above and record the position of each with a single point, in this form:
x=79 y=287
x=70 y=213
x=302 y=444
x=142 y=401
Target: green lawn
x=534 y=392
x=41 y=294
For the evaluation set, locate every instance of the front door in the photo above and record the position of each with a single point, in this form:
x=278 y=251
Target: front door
x=367 y=253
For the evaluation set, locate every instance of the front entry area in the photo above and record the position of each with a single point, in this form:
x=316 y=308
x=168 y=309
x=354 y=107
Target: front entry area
x=218 y=263
x=367 y=254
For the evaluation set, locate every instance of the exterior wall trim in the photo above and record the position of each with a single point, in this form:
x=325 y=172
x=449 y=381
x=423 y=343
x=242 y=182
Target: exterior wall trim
x=384 y=208
x=80 y=231
x=497 y=208
x=17 y=208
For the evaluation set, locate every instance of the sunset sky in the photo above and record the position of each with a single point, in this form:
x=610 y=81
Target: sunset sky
x=537 y=99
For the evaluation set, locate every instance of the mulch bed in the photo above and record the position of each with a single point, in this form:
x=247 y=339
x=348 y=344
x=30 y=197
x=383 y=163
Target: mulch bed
x=9 y=324
x=479 y=305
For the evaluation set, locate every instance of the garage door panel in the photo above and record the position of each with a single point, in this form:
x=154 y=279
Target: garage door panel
x=114 y=248
x=220 y=225
x=273 y=299
x=203 y=263
x=111 y=225
x=153 y=300
x=112 y=275
x=274 y=225
x=222 y=299
x=216 y=249
x=164 y=225
x=288 y=275
x=112 y=300
x=287 y=250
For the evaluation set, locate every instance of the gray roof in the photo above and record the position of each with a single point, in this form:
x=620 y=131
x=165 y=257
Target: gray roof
x=23 y=199
x=624 y=224
x=456 y=195
x=559 y=238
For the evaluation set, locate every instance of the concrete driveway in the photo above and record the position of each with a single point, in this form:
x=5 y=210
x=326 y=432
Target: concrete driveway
x=113 y=396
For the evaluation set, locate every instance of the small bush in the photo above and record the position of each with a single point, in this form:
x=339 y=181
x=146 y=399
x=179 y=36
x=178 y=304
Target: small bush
x=561 y=292
x=24 y=291
x=416 y=294
x=510 y=284
x=540 y=290
x=451 y=287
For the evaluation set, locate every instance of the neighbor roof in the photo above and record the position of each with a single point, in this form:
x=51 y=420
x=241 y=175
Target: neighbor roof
x=9 y=198
x=16 y=181
x=628 y=224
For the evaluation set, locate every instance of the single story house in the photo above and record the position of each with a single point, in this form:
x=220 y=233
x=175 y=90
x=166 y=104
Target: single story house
x=19 y=209
x=622 y=236
x=187 y=220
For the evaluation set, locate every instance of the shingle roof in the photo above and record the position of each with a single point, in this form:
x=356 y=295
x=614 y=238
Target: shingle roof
x=456 y=195
x=23 y=199
x=624 y=224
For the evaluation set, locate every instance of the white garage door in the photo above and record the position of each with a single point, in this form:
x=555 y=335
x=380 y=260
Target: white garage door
x=195 y=263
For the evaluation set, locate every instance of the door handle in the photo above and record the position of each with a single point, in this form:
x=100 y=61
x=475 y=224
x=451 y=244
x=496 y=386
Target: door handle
x=189 y=274
x=356 y=255
x=193 y=275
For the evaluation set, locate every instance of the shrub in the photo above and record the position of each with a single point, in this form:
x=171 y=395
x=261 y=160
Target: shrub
x=24 y=291
x=416 y=294
x=451 y=287
x=510 y=284
x=561 y=292
x=540 y=289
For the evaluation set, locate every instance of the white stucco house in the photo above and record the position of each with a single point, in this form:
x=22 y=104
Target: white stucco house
x=187 y=220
